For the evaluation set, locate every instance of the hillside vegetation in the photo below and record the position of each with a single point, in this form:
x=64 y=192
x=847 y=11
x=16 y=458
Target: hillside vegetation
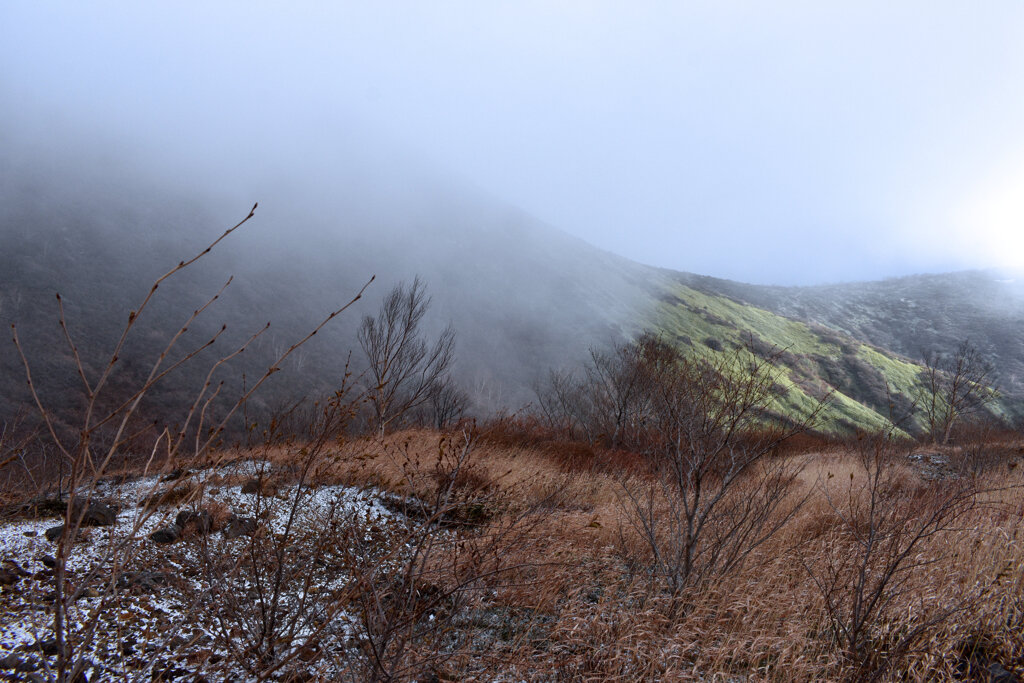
x=622 y=531
x=909 y=316
x=523 y=296
x=867 y=385
x=508 y=552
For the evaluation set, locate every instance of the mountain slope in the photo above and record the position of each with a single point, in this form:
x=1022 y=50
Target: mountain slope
x=523 y=297
x=910 y=315
x=814 y=361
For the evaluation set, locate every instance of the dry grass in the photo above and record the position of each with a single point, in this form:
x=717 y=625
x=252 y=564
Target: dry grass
x=602 y=621
x=567 y=597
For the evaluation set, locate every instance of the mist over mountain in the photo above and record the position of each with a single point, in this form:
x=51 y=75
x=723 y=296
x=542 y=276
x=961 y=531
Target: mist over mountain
x=522 y=296
x=910 y=315
x=98 y=221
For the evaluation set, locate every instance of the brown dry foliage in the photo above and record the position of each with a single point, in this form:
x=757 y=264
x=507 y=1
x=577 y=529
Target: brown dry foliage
x=573 y=609
x=555 y=597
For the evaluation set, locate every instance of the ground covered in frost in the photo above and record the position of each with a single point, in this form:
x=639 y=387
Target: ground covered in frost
x=142 y=610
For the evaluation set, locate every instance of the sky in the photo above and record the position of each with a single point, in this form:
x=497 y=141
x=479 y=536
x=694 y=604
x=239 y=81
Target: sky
x=775 y=143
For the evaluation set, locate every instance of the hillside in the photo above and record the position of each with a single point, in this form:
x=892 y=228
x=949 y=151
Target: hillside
x=815 y=360
x=909 y=315
x=523 y=296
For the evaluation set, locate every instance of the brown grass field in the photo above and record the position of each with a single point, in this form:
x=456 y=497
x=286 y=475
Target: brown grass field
x=595 y=614
x=564 y=577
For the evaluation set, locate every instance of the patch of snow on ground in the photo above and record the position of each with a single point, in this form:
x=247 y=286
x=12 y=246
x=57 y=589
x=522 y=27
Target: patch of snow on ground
x=138 y=628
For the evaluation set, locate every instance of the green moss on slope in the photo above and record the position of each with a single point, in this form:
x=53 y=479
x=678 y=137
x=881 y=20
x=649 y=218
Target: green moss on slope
x=865 y=384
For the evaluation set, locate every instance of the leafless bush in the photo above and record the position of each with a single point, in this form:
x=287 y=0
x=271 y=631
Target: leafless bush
x=108 y=428
x=274 y=597
x=447 y=404
x=17 y=472
x=713 y=492
x=335 y=592
x=404 y=369
x=611 y=402
x=982 y=447
x=954 y=387
x=877 y=540
x=564 y=405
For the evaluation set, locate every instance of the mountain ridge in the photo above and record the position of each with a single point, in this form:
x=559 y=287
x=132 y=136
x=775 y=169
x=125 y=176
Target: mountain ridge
x=524 y=297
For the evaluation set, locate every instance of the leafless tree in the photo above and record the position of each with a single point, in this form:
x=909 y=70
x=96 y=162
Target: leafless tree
x=611 y=402
x=107 y=426
x=875 y=543
x=403 y=367
x=714 y=492
x=447 y=404
x=563 y=403
x=953 y=388
x=618 y=384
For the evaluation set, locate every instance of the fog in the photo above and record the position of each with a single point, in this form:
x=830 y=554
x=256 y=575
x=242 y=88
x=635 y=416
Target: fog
x=540 y=165
x=82 y=217
x=787 y=144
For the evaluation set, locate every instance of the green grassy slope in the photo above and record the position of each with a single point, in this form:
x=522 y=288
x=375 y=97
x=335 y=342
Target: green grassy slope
x=868 y=384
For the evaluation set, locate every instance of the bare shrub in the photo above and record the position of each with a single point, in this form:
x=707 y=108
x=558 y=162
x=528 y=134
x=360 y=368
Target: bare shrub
x=19 y=473
x=338 y=593
x=712 y=492
x=405 y=371
x=884 y=522
x=954 y=387
x=447 y=404
x=610 y=403
x=107 y=431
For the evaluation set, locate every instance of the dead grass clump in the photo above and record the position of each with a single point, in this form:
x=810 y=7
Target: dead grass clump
x=220 y=514
x=514 y=431
x=176 y=494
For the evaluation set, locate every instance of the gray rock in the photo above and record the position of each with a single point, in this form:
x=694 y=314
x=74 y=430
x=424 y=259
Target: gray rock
x=167 y=534
x=54 y=532
x=93 y=512
x=932 y=465
x=239 y=526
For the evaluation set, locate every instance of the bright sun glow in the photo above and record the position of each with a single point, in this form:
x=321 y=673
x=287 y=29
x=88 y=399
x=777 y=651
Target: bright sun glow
x=990 y=224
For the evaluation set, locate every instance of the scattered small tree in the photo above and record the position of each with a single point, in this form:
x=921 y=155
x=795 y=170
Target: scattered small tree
x=714 y=492
x=403 y=368
x=878 y=536
x=611 y=402
x=709 y=492
x=954 y=387
x=446 y=403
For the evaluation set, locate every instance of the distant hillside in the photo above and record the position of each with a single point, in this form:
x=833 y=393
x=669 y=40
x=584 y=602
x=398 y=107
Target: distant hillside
x=523 y=296
x=909 y=315
x=815 y=360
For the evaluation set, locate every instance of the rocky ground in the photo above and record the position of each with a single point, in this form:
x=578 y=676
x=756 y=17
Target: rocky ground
x=145 y=569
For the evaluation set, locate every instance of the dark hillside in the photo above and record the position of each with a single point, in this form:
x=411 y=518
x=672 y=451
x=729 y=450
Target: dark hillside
x=908 y=315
